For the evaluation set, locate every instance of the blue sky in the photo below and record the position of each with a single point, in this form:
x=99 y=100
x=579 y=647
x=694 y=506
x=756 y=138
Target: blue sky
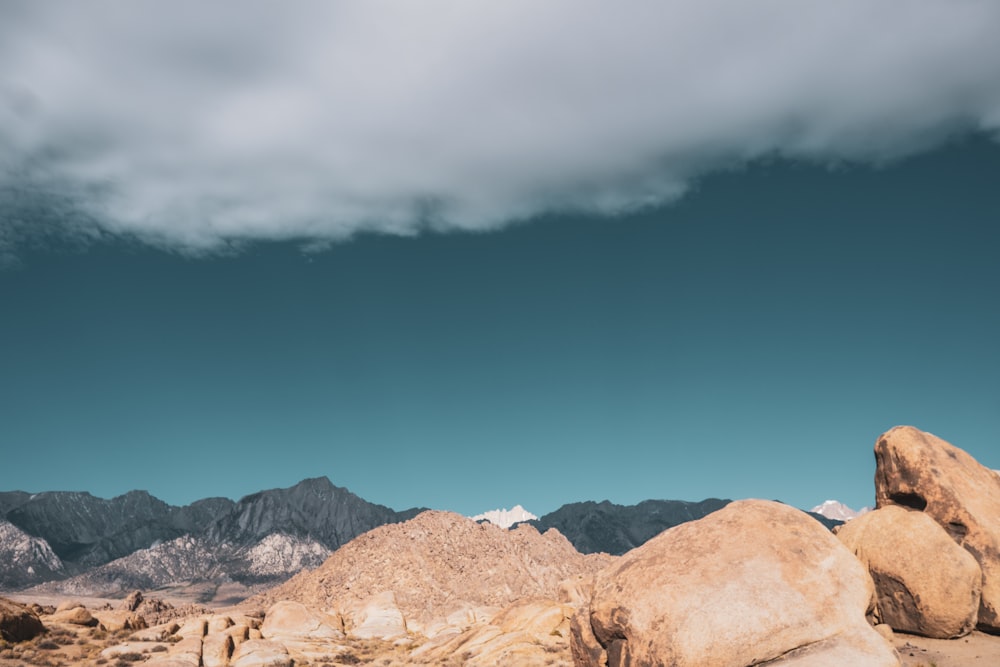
x=509 y=271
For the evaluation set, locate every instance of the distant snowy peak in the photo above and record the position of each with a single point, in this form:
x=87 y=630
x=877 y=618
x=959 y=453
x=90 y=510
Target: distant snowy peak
x=505 y=518
x=833 y=509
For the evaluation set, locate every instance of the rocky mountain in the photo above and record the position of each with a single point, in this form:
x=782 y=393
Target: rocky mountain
x=609 y=528
x=313 y=509
x=26 y=560
x=86 y=531
x=838 y=511
x=505 y=518
x=137 y=541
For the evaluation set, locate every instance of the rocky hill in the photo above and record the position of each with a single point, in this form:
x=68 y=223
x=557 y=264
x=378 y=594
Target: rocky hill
x=606 y=527
x=437 y=564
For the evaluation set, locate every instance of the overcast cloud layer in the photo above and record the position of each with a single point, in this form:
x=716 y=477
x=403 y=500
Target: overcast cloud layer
x=195 y=125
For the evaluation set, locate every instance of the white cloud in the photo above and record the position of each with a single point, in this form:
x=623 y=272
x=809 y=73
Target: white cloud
x=194 y=124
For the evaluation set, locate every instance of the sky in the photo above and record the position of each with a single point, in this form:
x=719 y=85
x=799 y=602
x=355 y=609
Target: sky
x=466 y=255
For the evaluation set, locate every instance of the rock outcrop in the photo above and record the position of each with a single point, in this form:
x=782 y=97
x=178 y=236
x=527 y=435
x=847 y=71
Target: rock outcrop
x=925 y=583
x=17 y=622
x=529 y=633
x=923 y=472
x=435 y=565
x=755 y=582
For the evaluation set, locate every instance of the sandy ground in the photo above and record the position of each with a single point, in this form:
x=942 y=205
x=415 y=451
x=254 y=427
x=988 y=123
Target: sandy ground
x=212 y=596
x=976 y=650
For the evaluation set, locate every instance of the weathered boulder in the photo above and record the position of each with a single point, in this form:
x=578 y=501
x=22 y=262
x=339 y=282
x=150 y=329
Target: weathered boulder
x=925 y=583
x=157 y=632
x=216 y=649
x=261 y=653
x=17 y=622
x=66 y=605
x=119 y=619
x=756 y=581
x=194 y=627
x=923 y=472
x=131 y=601
x=187 y=649
x=378 y=617
x=529 y=633
x=293 y=620
x=74 y=616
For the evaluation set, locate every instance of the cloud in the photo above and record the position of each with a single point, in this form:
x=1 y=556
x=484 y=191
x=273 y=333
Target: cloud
x=196 y=125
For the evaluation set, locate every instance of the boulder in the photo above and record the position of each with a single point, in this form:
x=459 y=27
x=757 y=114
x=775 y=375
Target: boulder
x=925 y=583
x=293 y=620
x=188 y=649
x=216 y=649
x=219 y=624
x=377 y=618
x=17 y=622
x=531 y=632
x=261 y=653
x=119 y=619
x=157 y=632
x=74 y=616
x=194 y=627
x=131 y=601
x=756 y=581
x=923 y=472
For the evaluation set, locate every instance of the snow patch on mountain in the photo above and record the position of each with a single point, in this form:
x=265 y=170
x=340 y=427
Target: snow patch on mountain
x=505 y=518
x=833 y=509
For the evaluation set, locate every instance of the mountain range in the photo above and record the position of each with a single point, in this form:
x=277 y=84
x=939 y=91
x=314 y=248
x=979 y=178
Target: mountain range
x=74 y=543
x=83 y=544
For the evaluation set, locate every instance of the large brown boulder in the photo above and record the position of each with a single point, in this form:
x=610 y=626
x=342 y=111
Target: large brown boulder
x=925 y=583
x=923 y=472
x=17 y=622
x=754 y=582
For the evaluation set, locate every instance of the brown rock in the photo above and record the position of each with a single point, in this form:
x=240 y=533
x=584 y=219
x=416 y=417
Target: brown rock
x=74 y=616
x=293 y=620
x=756 y=581
x=923 y=472
x=17 y=622
x=187 y=646
x=218 y=624
x=216 y=649
x=528 y=633
x=261 y=653
x=925 y=583
x=66 y=605
x=378 y=617
x=113 y=621
x=132 y=601
x=157 y=632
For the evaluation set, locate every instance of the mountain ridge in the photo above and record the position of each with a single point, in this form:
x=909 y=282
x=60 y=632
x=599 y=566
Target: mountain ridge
x=135 y=540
